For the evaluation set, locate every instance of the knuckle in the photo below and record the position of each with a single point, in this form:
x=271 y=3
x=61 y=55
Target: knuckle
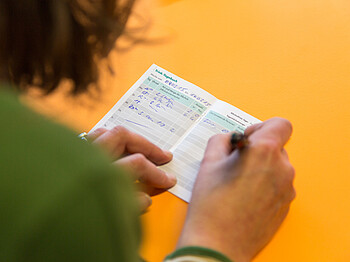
x=99 y=130
x=293 y=194
x=139 y=161
x=266 y=147
x=285 y=122
x=291 y=173
x=289 y=195
x=288 y=174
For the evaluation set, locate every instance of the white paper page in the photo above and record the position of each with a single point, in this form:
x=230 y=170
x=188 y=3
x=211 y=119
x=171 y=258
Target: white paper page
x=220 y=118
x=159 y=106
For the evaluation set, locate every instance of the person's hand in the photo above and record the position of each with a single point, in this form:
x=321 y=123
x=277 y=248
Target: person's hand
x=240 y=198
x=138 y=156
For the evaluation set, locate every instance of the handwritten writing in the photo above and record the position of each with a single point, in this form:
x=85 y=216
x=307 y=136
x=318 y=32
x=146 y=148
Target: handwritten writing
x=149 y=117
x=186 y=91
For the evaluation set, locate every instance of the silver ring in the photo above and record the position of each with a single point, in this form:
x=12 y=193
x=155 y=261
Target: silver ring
x=83 y=136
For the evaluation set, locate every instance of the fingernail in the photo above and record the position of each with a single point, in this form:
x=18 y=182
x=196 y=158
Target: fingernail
x=168 y=154
x=145 y=200
x=172 y=177
x=149 y=199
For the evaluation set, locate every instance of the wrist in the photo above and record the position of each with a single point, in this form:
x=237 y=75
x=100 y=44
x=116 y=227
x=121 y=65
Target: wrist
x=193 y=253
x=214 y=240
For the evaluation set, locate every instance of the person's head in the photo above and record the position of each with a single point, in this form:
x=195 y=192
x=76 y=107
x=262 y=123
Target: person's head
x=46 y=41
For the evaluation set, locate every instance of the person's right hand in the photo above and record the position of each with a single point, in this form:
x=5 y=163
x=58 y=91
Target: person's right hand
x=240 y=198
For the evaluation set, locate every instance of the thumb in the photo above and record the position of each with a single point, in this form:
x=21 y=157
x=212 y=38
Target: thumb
x=144 y=200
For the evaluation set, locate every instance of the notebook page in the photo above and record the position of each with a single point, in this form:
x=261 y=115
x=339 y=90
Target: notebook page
x=221 y=118
x=159 y=106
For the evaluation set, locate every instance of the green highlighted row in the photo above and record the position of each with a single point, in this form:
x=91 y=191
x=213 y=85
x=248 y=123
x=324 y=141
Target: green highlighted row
x=225 y=122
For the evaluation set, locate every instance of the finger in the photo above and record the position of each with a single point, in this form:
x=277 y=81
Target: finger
x=150 y=190
x=253 y=128
x=285 y=154
x=96 y=133
x=275 y=129
x=218 y=147
x=144 y=200
x=146 y=172
x=121 y=141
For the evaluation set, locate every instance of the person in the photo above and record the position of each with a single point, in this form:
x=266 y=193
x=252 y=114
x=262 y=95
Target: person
x=61 y=200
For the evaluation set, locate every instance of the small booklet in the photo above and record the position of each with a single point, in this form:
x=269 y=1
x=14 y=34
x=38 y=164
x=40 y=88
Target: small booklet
x=175 y=115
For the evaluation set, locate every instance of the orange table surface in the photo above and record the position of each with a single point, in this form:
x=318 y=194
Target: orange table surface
x=268 y=58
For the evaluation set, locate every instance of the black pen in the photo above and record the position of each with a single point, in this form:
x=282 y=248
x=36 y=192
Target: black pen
x=239 y=140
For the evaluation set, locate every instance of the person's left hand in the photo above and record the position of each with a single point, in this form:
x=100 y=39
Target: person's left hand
x=138 y=156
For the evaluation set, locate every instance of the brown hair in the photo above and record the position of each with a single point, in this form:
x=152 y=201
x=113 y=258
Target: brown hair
x=46 y=41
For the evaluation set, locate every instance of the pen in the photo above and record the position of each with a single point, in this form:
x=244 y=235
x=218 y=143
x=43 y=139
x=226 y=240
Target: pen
x=238 y=140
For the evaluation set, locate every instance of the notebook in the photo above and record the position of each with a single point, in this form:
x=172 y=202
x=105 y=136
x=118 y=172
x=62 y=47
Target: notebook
x=178 y=116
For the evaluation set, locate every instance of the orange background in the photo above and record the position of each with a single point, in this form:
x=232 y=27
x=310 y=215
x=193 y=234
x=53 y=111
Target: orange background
x=268 y=58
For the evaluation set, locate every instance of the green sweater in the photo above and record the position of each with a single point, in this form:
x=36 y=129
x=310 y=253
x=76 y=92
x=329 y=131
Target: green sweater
x=61 y=200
